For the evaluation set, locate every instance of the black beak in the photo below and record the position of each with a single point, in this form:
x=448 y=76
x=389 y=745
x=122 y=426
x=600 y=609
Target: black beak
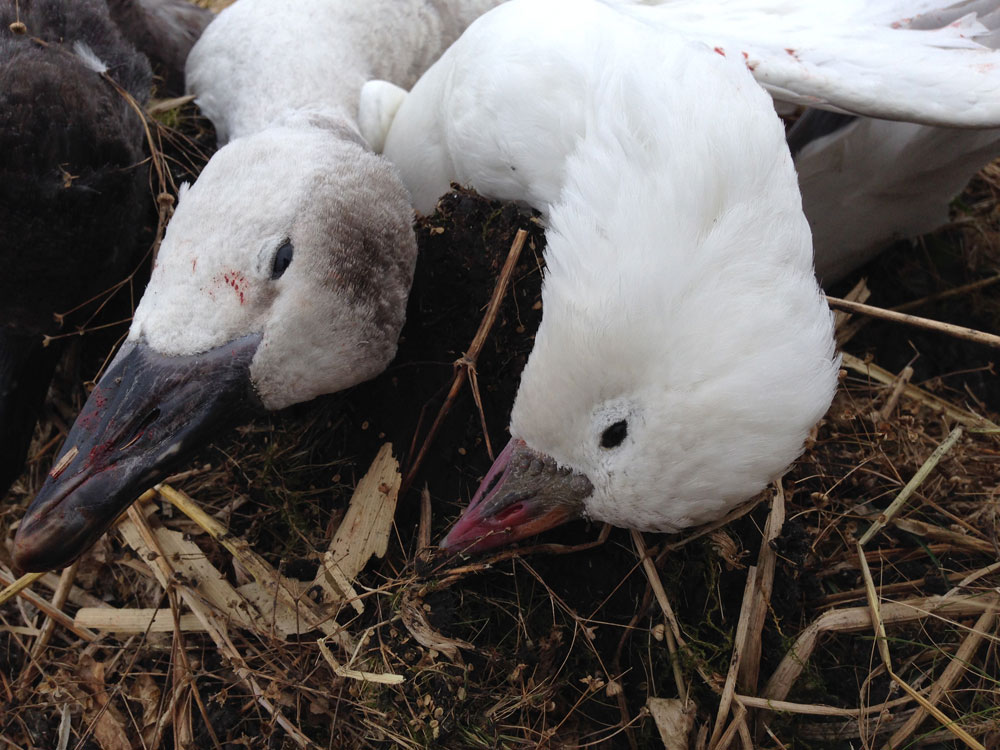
x=145 y=417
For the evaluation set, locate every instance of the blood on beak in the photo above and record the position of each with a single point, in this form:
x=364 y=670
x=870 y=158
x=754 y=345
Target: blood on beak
x=146 y=416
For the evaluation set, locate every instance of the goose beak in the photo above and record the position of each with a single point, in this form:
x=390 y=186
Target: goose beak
x=146 y=415
x=524 y=493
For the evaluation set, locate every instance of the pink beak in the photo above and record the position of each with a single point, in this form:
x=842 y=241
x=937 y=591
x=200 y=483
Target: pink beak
x=524 y=493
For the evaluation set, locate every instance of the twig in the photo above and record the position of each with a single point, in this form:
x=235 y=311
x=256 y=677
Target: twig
x=19 y=587
x=951 y=673
x=700 y=531
x=961 y=332
x=879 y=375
x=424 y=528
x=982 y=283
x=897 y=390
x=854 y=619
x=928 y=466
x=458 y=572
x=58 y=601
x=766 y=563
x=845 y=326
x=814 y=709
x=882 y=641
x=160 y=106
x=739 y=642
x=975 y=575
x=382 y=678
x=467 y=364
x=673 y=632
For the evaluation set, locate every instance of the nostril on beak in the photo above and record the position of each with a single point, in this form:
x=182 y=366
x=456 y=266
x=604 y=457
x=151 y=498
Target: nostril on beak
x=493 y=483
x=140 y=429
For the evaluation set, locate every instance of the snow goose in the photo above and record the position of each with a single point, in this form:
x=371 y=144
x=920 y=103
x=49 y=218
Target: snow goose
x=285 y=269
x=73 y=180
x=684 y=350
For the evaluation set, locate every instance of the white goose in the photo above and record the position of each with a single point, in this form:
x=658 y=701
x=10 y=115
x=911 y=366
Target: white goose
x=685 y=349
x=285 y=269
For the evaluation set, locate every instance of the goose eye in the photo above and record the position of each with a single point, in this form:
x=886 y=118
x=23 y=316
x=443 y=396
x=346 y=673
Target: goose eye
x=614 y=435
x=282 y=259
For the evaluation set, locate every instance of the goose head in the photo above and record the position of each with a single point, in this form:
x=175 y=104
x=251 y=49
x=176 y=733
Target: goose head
x=685 y=349
x=656 y=410
x=283 y=275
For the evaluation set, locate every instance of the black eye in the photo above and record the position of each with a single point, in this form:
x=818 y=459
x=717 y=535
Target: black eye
x=614 y=435
x=282 y=259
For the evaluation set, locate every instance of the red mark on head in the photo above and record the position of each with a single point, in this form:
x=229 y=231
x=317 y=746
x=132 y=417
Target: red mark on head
x=720 y=51
x=237 y=281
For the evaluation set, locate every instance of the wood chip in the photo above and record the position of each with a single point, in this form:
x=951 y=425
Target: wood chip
x=189 y=562
x=674 y=720
x=412 y=613
x=283 y=607
x=139 y=534
x=111 y=620
x=365 y=529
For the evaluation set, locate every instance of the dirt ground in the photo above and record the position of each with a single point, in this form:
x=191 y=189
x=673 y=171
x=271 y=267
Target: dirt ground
x=553 y=647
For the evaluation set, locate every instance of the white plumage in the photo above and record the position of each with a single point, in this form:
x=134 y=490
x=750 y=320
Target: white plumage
x=281 y=85
x=680 y=307
x=679 y=296
x=930 y=64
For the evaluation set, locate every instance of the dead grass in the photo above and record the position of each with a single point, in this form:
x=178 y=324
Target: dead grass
x=241 y=605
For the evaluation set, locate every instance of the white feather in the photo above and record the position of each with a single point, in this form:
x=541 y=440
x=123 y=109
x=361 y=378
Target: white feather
x=679 y=292
x=915 y=60
x=89 y=57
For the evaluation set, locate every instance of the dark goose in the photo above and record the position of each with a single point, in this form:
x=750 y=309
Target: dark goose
x=74 y=183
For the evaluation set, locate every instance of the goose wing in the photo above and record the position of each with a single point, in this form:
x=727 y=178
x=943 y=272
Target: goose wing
x=924 y=61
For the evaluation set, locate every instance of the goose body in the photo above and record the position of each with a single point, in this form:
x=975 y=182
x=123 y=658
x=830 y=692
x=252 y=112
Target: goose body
x=164 y=31
x=74 y=187
x=73 y=177
x=932 y=69
x=679 y=265
x=285 y=269
x=876 y=181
